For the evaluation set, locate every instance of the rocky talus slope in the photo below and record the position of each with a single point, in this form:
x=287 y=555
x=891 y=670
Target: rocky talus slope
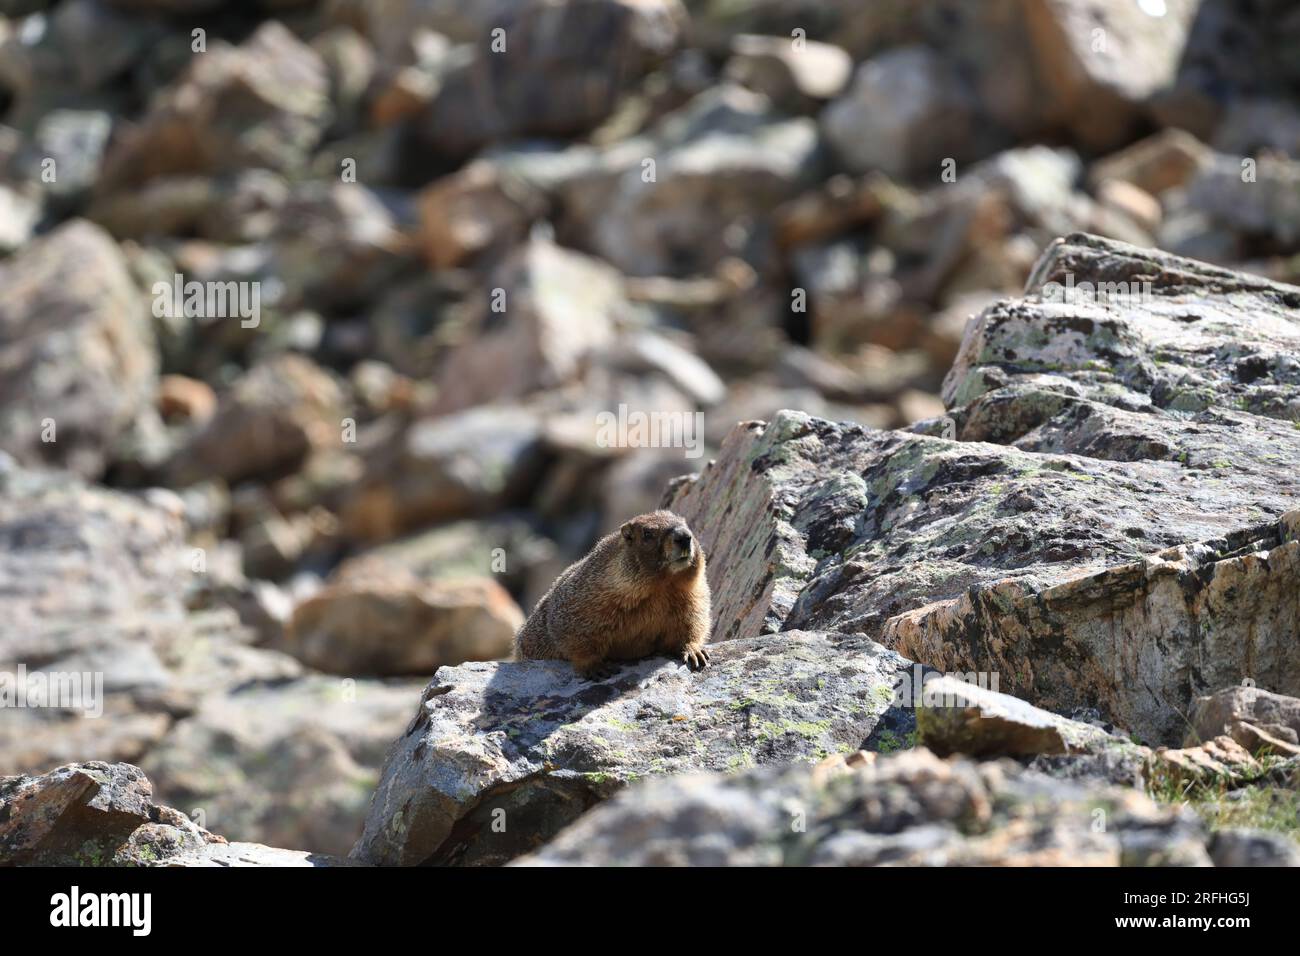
x=1102 y=534
x=94 y=581
x=310 y=312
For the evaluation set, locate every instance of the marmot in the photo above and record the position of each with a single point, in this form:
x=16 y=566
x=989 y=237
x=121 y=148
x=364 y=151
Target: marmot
x=640 y=591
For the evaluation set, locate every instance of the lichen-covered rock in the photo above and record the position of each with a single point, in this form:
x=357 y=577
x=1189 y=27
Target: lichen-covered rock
x=812 y=523
x=1146 y=459
x=89 y=814
x=1139 y=640
x=908 y=809
x=1140 y=330
x=1128 y=355
x=534 y=745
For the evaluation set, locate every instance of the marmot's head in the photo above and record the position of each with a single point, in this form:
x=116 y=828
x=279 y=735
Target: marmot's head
x=660 y=542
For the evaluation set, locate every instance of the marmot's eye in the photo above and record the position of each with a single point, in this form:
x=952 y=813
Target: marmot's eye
x=647 y=535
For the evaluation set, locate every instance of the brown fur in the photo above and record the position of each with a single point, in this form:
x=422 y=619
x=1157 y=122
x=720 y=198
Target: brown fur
x=640 y=591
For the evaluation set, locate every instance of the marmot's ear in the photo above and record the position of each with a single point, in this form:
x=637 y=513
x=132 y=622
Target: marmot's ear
x=626 y=530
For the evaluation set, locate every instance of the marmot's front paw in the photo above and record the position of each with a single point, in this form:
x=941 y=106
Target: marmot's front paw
x=696 y=658
x=603 y=670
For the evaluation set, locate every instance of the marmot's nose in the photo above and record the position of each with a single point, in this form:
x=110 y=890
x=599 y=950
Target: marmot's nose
x=682 y=537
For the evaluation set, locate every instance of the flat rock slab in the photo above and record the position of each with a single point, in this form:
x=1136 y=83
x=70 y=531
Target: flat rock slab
x=254 y=854
x=500 y=756
x=958 y=717
x=1142 y=329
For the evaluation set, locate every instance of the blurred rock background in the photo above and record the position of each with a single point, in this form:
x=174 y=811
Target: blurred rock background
x=472 y=228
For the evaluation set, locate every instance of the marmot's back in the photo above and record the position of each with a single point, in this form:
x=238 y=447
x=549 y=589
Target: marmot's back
x=641 y=591
x=534 y=641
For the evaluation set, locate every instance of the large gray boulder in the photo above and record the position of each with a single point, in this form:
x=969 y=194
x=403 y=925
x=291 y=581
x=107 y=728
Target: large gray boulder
x=907 y=111
x=1116 y=465
x=1139 y=330
x=84 y=570
x=555 y=308
x=500 y=756
x=1104 y=66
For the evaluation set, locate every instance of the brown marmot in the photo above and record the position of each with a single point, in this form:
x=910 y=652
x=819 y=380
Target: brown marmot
x=641 y=591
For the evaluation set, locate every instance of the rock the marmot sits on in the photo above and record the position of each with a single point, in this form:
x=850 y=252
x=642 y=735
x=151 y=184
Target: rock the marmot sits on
x=641 y=591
